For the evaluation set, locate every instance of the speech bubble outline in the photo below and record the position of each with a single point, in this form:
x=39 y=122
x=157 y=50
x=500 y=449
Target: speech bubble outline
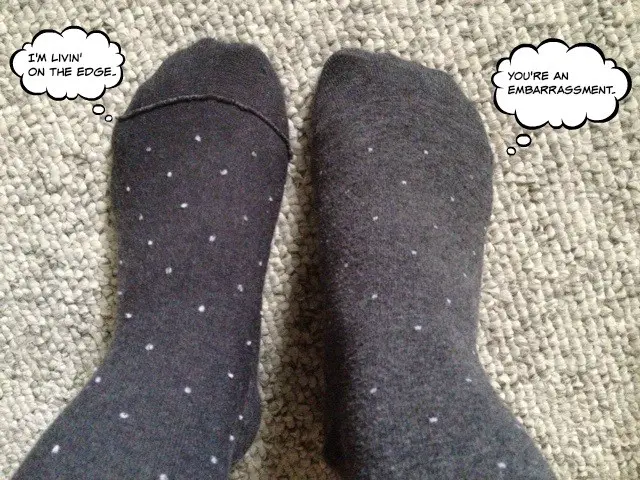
x=73 y=28
x=611 y=66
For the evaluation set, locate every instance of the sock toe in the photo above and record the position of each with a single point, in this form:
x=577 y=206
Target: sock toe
x=236 y=72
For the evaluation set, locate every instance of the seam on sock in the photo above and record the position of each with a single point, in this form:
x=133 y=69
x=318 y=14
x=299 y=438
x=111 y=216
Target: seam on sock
x=203 y=98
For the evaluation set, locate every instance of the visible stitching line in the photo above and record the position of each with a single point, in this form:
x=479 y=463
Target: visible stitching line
x=203 y=98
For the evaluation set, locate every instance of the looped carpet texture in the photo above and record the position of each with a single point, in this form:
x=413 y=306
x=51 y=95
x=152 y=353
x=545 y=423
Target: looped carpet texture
x=559 y=333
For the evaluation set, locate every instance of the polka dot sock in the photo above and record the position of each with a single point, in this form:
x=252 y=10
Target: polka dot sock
x=200 y=159
x=402 y=169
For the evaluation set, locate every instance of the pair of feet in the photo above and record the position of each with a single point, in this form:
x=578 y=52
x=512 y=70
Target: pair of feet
x=402 y=172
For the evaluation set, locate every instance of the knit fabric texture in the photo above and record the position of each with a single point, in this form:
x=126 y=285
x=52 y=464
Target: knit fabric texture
x=196 y=190
x=402 y=170
x=558 y=334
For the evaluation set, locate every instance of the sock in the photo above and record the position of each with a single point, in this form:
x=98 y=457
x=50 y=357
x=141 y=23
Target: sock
x=402 y=171
x=200 y=160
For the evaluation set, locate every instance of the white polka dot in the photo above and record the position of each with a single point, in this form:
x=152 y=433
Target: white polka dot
x=435 y=226
x=502 y=465
x=98 y=379
x=198 y=138
x=373 y=390
x=369 y=149
x=426 y=152
x=254 y=154
x=128 y=189
x=214 y=460
x=248 y=343
x=240 y=288
x=150 y=242
x=375 y=219
x=187 y=390
x=404 y=182
x=148 y=347
x=119 y=292
x=417 y=328
x=448 y=301
x=464 y=275
x=453 y=199
x=224 y=171
x=148 y=149
x=169 y=174
x=474 y=253
x=120 y=262
x=184 y=205
x=471 y=177
x=201 y=308
x=229 y=374
x=212 y=238
x=245 y=218
x=433 y=419
x=468 y=380
x=55 y=449
x=414 y=252
x=374 y=296
x=260 y=263
x=346 y=264
x=163 y=476
x=168 y=270
x=124 y=415
x=240 y=417
x=128 y=315
x=140 y=217
x=232 y=438
x=271 y=199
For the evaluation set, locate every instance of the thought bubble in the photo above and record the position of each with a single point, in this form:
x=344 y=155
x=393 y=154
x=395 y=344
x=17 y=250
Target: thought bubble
x=68 y=64
x=523 y=140
x=98 y=109
x=559 y=85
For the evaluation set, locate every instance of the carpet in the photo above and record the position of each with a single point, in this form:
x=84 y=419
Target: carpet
x=560 y=309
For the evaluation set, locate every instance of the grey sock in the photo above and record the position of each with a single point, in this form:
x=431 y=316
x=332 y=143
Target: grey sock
x=200 y=163
x=403 y=172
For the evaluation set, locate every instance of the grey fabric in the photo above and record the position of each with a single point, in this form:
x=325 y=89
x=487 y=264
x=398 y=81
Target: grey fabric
x=403 y=172
x=196 y=189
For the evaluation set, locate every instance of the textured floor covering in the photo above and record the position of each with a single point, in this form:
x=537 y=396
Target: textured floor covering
x=560 y=307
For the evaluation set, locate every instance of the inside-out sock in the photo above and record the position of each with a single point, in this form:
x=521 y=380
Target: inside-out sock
x=403 y=172
x=200 y=160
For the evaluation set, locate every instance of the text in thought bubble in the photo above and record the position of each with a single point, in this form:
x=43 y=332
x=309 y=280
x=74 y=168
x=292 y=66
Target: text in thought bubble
x=68 y=64
x=559 y=85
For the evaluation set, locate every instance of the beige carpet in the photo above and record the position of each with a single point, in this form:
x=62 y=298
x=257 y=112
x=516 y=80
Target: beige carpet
x=560 y=310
